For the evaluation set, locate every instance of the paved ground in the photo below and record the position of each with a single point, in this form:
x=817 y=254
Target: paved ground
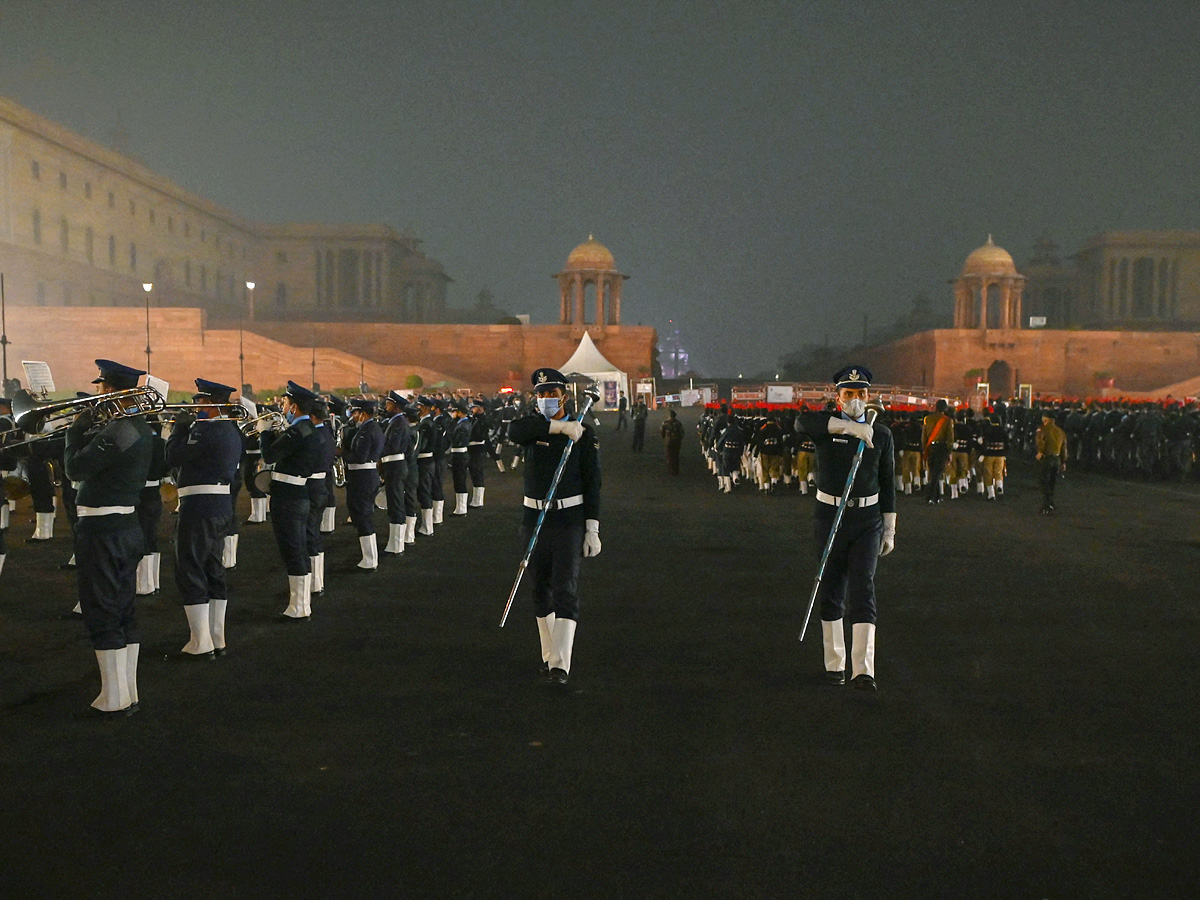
x=1034 y=736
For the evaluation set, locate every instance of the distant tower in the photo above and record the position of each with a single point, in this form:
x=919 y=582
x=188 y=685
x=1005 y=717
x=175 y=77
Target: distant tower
x=590 y=263
x=987 y=294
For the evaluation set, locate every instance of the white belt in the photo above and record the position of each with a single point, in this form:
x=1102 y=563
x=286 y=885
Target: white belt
x=193 y=489
x=564 y=503
x=392 y=457
x=477 y=444
x=834 y=500
x=153 y=483
x=289 y=479
x=76 y=485
x=317 y=476
x=83 y=511
x=354 y=467
x=458 y=449
x=254 y=453
x=424 y=455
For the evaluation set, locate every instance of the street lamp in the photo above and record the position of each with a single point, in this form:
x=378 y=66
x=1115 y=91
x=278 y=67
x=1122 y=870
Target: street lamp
x=241 y=345
x=147 y=287
x=4 y=341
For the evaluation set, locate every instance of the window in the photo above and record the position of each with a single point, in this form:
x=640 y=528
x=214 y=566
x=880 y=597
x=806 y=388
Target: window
x=170 y=224
x=87 y=190
x=37 y=173
x=62 y=180
x=203 y=279
x=133 y=257
x=37 y=226
x=280 y=295
x=112 y=200
x=217 y=242
x=112 y=249
x=152 y=215
x=132 y=208
x=187 y=272
x=281 y=257
x=89 y=245
x=64 y=235
x=187 y=230
x=41 y=294
x=203 y=235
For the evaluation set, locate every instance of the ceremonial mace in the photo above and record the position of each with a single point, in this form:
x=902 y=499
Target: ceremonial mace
x=592 y=396
x=837 y=520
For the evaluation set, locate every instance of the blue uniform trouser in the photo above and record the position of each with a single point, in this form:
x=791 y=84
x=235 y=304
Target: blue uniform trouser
x=555 y=569
x=361 y=487
x=199 y=542
x=107 y=552
x=848 y=584
x=289 y=522
x=394 y=474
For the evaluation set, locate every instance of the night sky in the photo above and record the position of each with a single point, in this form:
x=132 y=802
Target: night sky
x=766 y=172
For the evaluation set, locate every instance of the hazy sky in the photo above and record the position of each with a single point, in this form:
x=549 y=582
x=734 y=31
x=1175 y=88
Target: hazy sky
x=767 y=172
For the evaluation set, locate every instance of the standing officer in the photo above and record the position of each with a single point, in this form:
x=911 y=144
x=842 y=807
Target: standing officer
x=320 y=484
x=110 y=463
x=150 y=508
x=571 y=529
x=442 y=424
x=362 y=478
x=460 y=440
x=295 y=453
x=1051 y=457
x=393 y=465
x=427 y=435
x=937 y=437
x=640 y=412
x=868 y=526
x=672 y=437
x=412 y=479
x=206 y=449
x=338 y=409
x=622 y=409
x=478 y=449
x=252 y=461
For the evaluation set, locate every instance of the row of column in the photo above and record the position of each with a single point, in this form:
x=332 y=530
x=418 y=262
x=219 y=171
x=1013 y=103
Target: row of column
x=971 y=302
x=571 y=305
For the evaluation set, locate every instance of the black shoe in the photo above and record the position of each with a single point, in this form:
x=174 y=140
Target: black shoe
x=181 y=656
x=218 y=651
x=284 y=617
x=545 y=670
x=864 y=683
x=67 y=566
x=835 y=679
x=97 y=714
x=558 y=676
x=30 y=540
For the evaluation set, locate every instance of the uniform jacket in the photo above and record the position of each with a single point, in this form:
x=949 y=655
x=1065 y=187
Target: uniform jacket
x=112 y=464
x=581 y=477
x=209 y=452
x=835 y=454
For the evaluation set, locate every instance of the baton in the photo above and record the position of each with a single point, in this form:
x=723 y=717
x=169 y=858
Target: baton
x=562 y=465
x=837 y=520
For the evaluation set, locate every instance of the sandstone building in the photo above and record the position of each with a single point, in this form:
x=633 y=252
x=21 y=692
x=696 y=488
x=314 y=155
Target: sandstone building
x=83 y=225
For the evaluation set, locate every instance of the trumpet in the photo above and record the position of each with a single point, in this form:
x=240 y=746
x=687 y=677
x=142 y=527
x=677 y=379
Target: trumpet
x=276 y=421
x=227 y=410
x=32 y=417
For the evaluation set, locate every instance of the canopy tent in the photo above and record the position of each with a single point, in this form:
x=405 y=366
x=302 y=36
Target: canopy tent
x=588 y=360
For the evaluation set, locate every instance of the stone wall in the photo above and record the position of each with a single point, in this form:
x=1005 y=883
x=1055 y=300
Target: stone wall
x=1060 y=362
x=481 y=357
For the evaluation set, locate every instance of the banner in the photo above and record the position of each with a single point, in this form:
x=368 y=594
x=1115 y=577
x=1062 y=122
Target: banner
x=780 y=393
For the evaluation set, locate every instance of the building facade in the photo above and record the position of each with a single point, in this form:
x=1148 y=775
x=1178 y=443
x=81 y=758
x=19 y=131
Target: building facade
x=83 y=225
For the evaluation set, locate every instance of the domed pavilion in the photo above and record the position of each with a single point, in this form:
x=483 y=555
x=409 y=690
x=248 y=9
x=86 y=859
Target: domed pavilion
x=591 y=263
x=987 y=293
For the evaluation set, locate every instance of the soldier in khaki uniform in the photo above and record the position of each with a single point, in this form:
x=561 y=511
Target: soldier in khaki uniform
x=1051 y=456
x=937 y=438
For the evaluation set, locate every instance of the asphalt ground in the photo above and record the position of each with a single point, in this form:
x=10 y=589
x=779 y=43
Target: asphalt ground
x=1034 y=735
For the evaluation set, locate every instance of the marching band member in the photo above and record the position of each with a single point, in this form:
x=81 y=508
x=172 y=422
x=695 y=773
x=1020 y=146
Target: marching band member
x=427 y=435
x=337 y=412
x=442 y=424
x=295 y=454
x=478 y=449
x=393 y=464
x=412 y=480
x=111 y=464
x=320 y=484
x=206 y=449
x=460 y=439
x=571 y=529
x=150 y=509
x=251 y=461
x=362 y=478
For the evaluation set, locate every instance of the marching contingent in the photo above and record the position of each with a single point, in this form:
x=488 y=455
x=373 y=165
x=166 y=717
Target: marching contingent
x=114 y=454
x=950 y=454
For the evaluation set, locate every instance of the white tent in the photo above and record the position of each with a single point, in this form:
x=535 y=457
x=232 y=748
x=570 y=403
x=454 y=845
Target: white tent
x=588 y=360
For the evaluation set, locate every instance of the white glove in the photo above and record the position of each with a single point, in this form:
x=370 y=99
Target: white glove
x=860 y=430
x=889 y=534
x=591 y=538
x=263 y=426
x=500 y=464
x=569 y=427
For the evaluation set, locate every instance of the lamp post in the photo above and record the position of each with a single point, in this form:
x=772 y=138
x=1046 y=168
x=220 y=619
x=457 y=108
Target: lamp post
x=314 y=360
x=241 y=344
x=147 y=287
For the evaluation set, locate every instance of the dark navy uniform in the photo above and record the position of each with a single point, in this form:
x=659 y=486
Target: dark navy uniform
x=320 y=484
x=442 y=426
x=150 y=509
x=412 y=477
x=460 y=439
x=110 y=464
x=571 y=525
x=848 y=584
x=393 y=464
x=427 y=437
x=206 y=454
x=295 y=454
x=362 y=472
x=479 y=448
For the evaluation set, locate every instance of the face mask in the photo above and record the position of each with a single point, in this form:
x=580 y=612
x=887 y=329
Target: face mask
x=549 y=406
x=854 y=408
x=291 y=417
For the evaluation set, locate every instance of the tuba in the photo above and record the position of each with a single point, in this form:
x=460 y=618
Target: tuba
x=34 y=417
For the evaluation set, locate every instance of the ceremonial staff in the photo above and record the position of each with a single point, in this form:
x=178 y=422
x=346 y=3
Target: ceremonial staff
x=837 y=520
x=592 y=397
